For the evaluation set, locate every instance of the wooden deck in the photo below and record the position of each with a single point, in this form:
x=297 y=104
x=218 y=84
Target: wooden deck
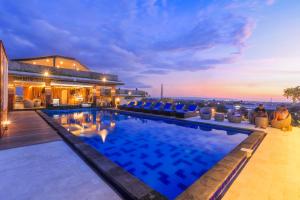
x=27 y=128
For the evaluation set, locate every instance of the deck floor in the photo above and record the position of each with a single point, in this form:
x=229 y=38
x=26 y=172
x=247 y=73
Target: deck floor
x=27 y=128
x=273 y=170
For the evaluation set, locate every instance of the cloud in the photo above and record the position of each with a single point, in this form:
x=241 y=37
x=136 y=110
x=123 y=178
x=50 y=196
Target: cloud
x=155 y=71
x=270 y=2
x=131 y=38
x=22 y=42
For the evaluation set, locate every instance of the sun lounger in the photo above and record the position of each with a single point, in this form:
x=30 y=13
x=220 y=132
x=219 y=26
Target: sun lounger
x=127 y=106
x=138 y=106
x=190 y=112
x=179 y=108
x=147 y=107
x=157 y=108
x=167 y=110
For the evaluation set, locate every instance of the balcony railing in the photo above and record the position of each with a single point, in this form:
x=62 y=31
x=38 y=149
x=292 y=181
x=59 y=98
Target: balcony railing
x=22 y=67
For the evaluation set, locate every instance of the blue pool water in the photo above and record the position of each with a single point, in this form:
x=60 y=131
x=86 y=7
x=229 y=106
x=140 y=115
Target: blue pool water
x=167 y=155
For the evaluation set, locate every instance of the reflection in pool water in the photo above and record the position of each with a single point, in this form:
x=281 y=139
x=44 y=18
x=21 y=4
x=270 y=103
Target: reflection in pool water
x=86 y=124
x=165 y=154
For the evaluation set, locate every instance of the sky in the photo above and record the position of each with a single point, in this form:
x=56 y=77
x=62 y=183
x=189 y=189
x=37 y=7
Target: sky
x=243 y=49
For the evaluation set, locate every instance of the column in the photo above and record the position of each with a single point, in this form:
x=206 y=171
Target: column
x=96 y=94
x=11 y=96
x=113 y=96
x=48 y=93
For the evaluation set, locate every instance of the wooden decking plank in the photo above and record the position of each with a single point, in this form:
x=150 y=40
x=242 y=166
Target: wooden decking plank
x=27 y=128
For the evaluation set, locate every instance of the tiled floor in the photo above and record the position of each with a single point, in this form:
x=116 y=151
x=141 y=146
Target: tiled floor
x=49 y=171
x=273 y=172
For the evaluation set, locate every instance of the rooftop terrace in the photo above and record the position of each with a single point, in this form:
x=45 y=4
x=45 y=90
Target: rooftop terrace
x=271 y=173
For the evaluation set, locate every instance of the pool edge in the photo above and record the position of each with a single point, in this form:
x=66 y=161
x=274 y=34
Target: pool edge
x=122 y=181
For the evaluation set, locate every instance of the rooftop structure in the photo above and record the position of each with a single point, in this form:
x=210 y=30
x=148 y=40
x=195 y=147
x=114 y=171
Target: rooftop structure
x=57 y=80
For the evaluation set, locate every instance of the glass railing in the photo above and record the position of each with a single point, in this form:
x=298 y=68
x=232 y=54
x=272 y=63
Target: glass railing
x=22 y=67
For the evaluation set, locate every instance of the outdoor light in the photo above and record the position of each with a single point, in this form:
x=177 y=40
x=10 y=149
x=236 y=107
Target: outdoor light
x=5 y=124
x=104 y=79
x=117 y=99
x=46 y=73
x=77 y=69
x=61 y=62
x=47 y=60
x=129 y=93
x=34 y=63
x=57 y=66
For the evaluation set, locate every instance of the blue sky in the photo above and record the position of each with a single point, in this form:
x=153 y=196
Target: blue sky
x=238 y=49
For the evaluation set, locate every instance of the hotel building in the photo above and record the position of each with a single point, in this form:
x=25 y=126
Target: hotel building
x=57 y=80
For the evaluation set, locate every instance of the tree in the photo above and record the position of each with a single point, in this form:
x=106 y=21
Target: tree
x=293 y=93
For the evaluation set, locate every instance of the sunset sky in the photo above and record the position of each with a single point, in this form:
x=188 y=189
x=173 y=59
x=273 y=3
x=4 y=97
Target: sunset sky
x=196 y=48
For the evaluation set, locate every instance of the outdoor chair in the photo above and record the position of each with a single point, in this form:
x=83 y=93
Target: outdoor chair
x=206 y=113
x=284 y=124
x=219 y=117
x=252 y=119
x=28 y=103
x=234 y=118
x=261 y=122
x=37 y=102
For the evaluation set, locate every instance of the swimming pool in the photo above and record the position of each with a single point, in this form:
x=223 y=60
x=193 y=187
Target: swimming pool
x=168 y=155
